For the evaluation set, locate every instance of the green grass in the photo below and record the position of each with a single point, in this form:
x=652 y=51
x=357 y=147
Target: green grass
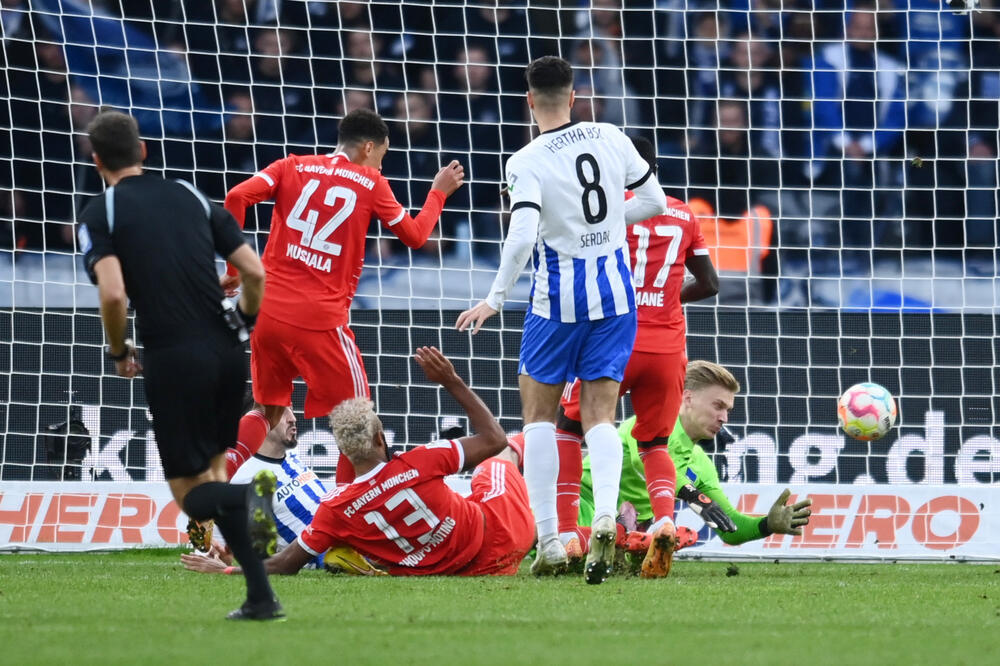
x=141 y=607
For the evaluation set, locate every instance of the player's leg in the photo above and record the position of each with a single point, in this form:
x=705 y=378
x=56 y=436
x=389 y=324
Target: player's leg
x=656 y=400
x=541 y=468
x=603 y=358
x=569 y=440
x=272 y=368
x=500 y=490
x=193 y=429
x=334 y=371
x=548 y=350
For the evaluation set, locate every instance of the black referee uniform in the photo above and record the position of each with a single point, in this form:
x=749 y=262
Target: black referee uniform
x=166 y=234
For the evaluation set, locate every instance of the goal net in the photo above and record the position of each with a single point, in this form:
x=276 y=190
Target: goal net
x=842 y=161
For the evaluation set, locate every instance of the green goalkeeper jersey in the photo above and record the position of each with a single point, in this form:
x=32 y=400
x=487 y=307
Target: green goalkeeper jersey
x=693 y=466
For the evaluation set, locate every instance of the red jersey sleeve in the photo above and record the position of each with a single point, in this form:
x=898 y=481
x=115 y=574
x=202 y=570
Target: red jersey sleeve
x=414 y=232
x=253 y=431
x=261 y=186
x=697 y=245
x=440 y=458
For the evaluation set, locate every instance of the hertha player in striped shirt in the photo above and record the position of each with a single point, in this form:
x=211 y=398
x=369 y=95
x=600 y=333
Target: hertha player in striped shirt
x=566 y=204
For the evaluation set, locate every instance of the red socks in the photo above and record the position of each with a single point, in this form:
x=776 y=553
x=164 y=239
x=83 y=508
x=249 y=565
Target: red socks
x=661 y=479
x=568 y=481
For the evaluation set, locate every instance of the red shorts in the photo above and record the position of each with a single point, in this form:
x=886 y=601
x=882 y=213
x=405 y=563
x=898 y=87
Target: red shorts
x=328 y=360
x=500 y=490
x=656 y=382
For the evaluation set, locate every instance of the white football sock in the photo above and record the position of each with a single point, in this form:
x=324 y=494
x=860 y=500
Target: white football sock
x=605 y=467
x=541 y=469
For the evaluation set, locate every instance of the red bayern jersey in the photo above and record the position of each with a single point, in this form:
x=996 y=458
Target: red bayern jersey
x=403 y=515
x=323 y=205
x=659 y=247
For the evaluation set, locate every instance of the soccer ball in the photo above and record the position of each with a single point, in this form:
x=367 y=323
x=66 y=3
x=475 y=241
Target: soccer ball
x=866 y=411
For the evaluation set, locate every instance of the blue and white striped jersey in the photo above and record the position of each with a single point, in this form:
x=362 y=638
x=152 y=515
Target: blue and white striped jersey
x=297 y=497
x=576 y=176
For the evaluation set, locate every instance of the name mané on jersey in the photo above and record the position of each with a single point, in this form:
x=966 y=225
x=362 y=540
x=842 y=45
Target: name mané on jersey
x=575 y=175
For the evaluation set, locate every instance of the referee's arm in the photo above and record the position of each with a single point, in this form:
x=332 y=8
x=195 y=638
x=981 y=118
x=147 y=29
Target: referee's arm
x=229 y=243
x=114 y=306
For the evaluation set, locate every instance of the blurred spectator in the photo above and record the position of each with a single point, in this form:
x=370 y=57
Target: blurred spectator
x=859 y=113
x=746 y=74
x=365 y=67
x=739 y=248
x=725 y=171
x=282 y=90
x=598 y=60
x=705 y=51
x=587 y=107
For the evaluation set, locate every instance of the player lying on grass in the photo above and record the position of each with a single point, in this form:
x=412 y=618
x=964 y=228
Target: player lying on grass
x=295 y=502
x=399 y=512
x=709 y=391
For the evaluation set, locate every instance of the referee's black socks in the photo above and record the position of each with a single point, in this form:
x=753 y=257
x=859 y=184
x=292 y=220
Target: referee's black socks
x=226 y=503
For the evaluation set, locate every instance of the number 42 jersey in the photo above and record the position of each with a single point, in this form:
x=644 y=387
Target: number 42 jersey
x=323 y=205
x=574 y=176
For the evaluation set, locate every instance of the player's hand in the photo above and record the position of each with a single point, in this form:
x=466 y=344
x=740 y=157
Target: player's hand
x=202 y=563
x=230 y=284
x=475 y=317
x=218 y=551
x=129 y=366
x=449 y=178
x=437 y=368
x=783 y=519
x=710 y=512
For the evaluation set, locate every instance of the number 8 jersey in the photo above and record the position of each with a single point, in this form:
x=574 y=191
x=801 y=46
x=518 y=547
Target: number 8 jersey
x=323 y=205
x=574 y=176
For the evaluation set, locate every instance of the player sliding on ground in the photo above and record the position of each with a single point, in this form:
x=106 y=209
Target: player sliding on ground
x=315 y=251
x=709 y=392
x=661 y=248
x=399 y=512
x=566 y=204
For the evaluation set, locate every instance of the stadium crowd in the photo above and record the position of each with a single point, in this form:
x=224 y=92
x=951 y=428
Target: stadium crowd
x=745 y=106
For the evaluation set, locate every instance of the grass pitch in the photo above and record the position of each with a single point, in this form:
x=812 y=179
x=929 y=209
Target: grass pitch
x=141 y=607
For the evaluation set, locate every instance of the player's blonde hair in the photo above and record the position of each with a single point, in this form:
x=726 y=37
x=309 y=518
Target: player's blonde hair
x=702 y=374
x=355 y=425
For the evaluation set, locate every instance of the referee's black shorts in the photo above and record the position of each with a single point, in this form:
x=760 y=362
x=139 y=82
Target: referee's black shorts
x=195 y=392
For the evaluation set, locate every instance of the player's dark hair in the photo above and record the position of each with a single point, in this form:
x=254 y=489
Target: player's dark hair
x=549 y=75
x=114 y=136
x=646 y=150
x=362 y=125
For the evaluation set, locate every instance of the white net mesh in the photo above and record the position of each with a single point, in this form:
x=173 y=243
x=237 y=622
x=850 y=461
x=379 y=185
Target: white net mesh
x=844 y=159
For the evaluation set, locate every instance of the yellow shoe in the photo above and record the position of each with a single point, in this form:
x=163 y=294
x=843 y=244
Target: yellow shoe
x=660 y=555
x=200 y=534
x=347 y=560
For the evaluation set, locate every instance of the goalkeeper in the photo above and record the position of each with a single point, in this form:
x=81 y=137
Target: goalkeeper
x=709 y=390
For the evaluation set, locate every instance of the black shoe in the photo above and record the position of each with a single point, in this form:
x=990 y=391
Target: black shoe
x=260 y=513
x=268 y=610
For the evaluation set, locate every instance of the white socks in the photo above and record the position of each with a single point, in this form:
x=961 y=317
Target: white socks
x=541 y=470
x=605 y=468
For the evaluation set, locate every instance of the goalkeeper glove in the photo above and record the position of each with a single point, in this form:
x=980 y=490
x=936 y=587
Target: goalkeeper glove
x=782 y=519
x=710 y=512
x=963 y=7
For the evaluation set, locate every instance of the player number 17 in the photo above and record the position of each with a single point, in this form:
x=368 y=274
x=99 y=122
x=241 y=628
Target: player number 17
x=317 y=240
x=671 y=231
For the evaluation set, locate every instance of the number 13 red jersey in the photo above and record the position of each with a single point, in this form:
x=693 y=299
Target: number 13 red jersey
x=403 y=514
x=659 y=247
x=323 y=205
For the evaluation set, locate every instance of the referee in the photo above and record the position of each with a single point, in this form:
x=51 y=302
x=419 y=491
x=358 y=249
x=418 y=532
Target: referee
x=154 y=241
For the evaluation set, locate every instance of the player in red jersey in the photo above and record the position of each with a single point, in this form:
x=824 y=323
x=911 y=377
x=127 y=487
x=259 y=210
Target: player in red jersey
x=323 y=205
x=399 y=512
x=660 y=249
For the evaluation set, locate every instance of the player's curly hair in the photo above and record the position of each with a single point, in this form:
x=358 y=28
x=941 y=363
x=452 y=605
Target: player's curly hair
x=354 y=425
x=702 y=374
